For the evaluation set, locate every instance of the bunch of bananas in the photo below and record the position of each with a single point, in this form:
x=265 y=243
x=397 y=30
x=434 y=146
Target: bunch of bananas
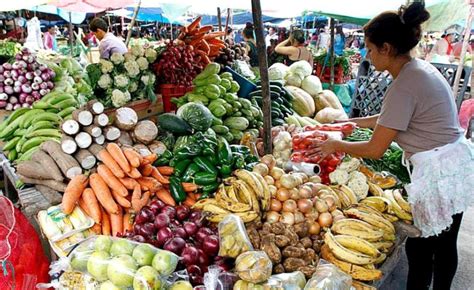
x=391 y=204
x=246 y=195
x=359 y=242
x=25 y=129
x=345 y=194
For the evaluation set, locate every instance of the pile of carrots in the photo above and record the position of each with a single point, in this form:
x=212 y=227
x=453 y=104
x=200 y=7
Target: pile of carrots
x=123 y=183
x=202 y=39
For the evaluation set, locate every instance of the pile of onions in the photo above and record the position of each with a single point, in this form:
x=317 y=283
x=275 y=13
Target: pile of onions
x=24 y=81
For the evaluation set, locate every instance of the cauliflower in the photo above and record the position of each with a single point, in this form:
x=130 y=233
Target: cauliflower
x=339 y=177
x=137 y=50
x=129 y=57
x=106 y=66
x=349 y=165
x=120 y=98
x=148 y=79
x=301 y=68
x=117 y=58
x=132 y=68
x=133 y=87
x=121 y=81
x=142 y=63
x=151 y=55
x=277 y=71
x=358 y=183
x=105 y=81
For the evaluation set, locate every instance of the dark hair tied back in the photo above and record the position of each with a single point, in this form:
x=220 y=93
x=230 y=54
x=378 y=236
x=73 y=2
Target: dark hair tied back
x=400 y=29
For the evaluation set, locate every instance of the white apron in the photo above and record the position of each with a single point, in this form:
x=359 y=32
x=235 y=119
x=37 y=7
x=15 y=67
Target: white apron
x=442 y=185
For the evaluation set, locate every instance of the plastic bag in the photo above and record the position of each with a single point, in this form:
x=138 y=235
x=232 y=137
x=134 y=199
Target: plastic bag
x=329 y=277
x=21 y=254
x=253 y=266
x=123 y=263
x=233 y=238
x=287 y=281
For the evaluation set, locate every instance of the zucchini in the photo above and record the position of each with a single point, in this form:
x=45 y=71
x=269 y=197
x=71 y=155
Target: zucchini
x=278 y=122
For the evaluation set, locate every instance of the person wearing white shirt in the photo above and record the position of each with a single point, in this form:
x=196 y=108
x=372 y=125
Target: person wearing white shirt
x=323 y=40
x=271 y=35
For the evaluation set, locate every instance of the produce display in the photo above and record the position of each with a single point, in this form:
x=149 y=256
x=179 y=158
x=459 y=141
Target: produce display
x=229 y=54
x=9 y=49
x=124 y=78
x=24 y=81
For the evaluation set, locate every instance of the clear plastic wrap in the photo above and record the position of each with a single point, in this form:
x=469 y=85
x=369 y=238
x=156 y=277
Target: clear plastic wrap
x=253 y=266
x=233 y=238
x=329 y=277
x=118 y=262
x=287 y=281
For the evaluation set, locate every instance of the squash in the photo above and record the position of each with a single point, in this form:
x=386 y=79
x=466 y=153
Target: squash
x=197 y=115
x=329 y=115
x=171 y=123
x=303 y=103
x=327 y=99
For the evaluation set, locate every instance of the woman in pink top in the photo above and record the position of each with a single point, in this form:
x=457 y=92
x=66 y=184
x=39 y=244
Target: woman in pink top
x=50 y=38
x=420 y=114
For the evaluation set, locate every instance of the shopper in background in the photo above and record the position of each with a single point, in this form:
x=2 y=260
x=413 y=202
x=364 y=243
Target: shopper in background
x=109 y=43
x=323 y=40
x=251 y=47
x=419 y=113
x=314 y=39
x=294 y=48
x=443 y=49
x=271 y=35
x=457 y=48
x=339 y=41
x=229 y=36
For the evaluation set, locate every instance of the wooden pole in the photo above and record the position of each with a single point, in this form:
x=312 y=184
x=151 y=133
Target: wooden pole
x=331 y=51
x=135 y=13
x=263 y=65
x=71 y=34
x=226 y=23
x=219 y=20
x=467 y=35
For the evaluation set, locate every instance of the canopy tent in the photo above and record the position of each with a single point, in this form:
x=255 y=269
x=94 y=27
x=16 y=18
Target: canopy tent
x=93 y=6
x=150 y=14
x=9 y=5
x=75 y=17
x=238 y=19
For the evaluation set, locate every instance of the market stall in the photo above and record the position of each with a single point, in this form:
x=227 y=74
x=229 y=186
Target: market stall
x=179 y=166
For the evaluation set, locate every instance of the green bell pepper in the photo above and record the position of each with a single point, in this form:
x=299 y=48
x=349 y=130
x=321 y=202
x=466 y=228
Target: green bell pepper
x=239 y=161
x=167 y=154
x=250 y=166
x=161 y=161
x=251 y=158
x=212 y=91
x=188 y=175
x=208 y=149
x=188 y=152
x=224 y=152
x=205 y=164
x=242 y=149
x=226 y=170
x=209 y=189
x=204 y=178
x=235 y=87
x=181 y=166
x=226 y=75
x=213 y=158
x=177 y=190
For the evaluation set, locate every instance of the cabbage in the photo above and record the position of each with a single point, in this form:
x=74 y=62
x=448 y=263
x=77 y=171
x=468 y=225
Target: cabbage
x=293 y=79
x=312 y=85
x=277 y=71
x=302 y=68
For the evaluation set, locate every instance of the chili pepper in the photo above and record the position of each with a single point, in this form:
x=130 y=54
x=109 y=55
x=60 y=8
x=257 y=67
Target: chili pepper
x=161 y=161
x=204 y=178
x=213 y=158
x=226 y=170
x=188 y=175
x=205 y=165
x=188 y=152
x=177 y=190
x=224 y=152
x=209 y=189
x=239 y=160
x=181 y=167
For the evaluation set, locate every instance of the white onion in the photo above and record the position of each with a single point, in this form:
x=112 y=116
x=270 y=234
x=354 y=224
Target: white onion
x=288 y=218
x=273 y=217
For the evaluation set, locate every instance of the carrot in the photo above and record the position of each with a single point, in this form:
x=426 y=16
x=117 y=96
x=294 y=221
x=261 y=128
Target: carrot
x=214 y=35
x=157 y=175
x=134 y=173
x=112 y=181
x=149 y=183
x=205 y=29
x=116 y=222
x=204 y=46
x=73 y=192
x=89 y=198
x=111 y=163
x=215 y=41
x=165 y=170
x=83 y=205
x=189 y=187
x=97 y=229
x=118 y=156
x=204 y=57
x=189 y=202
x=139 y=200
x=146 y=169
x=127 y=222
x=197 y=39
x=197 y=196
x=105 y=222
x=121 y=200
x=103 y=193
x=165 y=196
x=149 y=159
x=128 y=182
x=133 y=157
x=194 y=24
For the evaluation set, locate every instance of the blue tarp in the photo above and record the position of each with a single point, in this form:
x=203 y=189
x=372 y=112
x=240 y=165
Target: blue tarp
x=239 y=19
x=151 y=14
x=76 y=17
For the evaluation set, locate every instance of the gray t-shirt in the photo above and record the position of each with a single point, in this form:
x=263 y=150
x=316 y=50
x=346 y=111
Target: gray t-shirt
x=420 y=105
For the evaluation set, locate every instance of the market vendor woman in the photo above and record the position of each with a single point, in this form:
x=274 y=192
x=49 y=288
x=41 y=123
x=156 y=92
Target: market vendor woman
x=419 y=113
x=109 y=43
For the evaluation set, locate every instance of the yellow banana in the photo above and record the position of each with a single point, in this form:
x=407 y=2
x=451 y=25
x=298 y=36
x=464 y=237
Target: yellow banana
x=221 y=194
x=345 y=254
x=245 y=190
x=356 y=272
x=201 y=203
x=378 y=202
x=246 y=217
x=353 y=224
x=381 y=258
x=250 y=179
x=344 y=199
x=264 y=195
x=333 y=195
x=401 y=201
x=358 y=244
x=375 y=220
x=395 y=207
x=214 y=209
x=349 y=193
x=383 y=246
x=234 y=206
x=230 y=191
x=375 y=189
x=370 y=236
x=390 y=217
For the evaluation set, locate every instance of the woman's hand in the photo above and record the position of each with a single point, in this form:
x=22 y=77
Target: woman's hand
x=325 y=148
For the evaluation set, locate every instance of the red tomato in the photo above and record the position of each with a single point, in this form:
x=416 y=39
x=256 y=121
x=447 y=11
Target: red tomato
x=323 y=163
x=333 y=161
x=297 y=157
x=330 y=169
x=316 y=158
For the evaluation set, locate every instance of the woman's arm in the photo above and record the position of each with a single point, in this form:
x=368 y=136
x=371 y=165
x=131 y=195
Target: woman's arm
x=373 y=149
x=282 y=48
x=365 y=122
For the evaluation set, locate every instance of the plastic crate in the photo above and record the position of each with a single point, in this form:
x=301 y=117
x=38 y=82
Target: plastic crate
x=325 y=76
x=169 y=91
x=246 y=86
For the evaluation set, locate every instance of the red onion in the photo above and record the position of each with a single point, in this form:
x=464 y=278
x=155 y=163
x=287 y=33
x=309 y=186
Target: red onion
x=163 y=235
x=175 y=245
x=203 y=233
x=190 y=256
x=190 y=228
x=182 y=212
x=211 y=245
x=161 y=221
x=169 y=211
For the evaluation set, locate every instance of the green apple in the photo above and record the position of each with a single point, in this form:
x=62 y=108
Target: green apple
x=165 y=262
x=97 y=265
x=181 y=285
x=121 y=247
x=103 y=243
x=121 y=270
x=147 y=278
x=143 y=254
